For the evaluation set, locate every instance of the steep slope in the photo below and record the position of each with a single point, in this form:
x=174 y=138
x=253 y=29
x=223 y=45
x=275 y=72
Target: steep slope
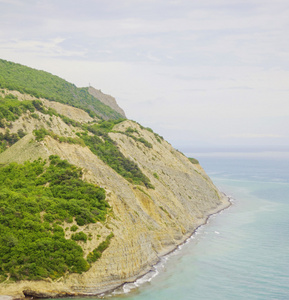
x=106 y=99
x=42 y=84
x=150 y=216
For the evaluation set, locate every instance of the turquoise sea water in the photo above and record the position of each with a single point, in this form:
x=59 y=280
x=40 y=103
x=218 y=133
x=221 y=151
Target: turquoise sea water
x=243 y=252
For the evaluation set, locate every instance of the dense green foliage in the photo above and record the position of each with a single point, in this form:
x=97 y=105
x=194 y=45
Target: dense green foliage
x=11 y=108
x=96 y=253
x=79 y=236
x=34 y=198
x=73 y=228
x=43 y=84
x=194 y=161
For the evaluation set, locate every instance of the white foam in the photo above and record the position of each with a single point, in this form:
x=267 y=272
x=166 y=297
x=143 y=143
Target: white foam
x=156 y=269
x=128 y=287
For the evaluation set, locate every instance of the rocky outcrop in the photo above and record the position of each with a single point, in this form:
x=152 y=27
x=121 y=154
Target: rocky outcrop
x=147 y=223
x=106 y=99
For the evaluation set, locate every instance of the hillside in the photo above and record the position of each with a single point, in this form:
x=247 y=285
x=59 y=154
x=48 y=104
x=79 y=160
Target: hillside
x=88 y=204
x=42 y=84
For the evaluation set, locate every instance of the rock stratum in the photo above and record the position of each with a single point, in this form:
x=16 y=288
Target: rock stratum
x=147 y=222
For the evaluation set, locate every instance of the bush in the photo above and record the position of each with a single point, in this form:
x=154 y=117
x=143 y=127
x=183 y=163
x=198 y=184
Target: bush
x=156 y=175
x=79 y=236
x=194 y=161
x=97 y=252
x=73 y=228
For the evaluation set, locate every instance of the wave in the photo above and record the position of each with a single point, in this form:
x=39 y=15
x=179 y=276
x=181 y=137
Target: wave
x=158 y=267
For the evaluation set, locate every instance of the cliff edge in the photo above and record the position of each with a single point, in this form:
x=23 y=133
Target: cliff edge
x=107 y=100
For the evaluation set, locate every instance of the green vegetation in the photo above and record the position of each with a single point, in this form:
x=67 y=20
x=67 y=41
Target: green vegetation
x=35 y=198
x=11 y=108
x=140 y=189
x=194 y=161
x=100 y=143
x=42 y=132
x=96 y=253
x=145 y=142
x=156 y=175
x=79 y=236
x=129 y=132
x=74 y=228
x=106 y=149
x=157 y=136
x=8 y=139
x=43 y=84
x=164 y=210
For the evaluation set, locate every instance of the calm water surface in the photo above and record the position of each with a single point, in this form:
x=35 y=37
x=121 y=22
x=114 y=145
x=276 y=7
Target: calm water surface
x=243 y=252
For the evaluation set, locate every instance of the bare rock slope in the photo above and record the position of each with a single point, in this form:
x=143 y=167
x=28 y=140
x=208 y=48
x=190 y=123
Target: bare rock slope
x=106 y=99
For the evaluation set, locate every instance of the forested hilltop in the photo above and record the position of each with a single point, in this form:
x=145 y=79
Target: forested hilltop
x=42 y=84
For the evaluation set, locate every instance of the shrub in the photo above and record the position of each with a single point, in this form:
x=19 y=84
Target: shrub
x=73 y=228
x=194 y=161
x=156 y=175
x=79 y=236
x=97 y=252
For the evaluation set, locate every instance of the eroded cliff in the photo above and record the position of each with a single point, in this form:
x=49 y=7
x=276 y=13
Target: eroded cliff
x=146 y=222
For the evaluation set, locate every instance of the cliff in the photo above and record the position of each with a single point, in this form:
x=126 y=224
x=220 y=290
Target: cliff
x=147 y=219
x=106 y=99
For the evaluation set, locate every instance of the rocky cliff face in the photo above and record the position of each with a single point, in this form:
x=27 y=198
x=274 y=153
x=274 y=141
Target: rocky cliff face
x=106 y=99
x=147 y=223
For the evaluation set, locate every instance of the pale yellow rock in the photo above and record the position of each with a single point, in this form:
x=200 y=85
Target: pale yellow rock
x=106 y=99
x=147 y=223
x=73 y=113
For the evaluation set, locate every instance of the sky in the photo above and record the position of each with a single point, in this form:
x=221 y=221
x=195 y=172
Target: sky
x=204 y=74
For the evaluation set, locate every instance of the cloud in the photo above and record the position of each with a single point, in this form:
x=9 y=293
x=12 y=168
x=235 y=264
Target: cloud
x=253 y=136
x=51 y=48
x=203 y=68
x=12 y=2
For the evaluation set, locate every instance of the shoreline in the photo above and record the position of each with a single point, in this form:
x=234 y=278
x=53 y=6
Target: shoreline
x=225 y=203
x=217 y=210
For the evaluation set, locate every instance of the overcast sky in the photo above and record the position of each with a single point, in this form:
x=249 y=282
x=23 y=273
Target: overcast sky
x=201 y=73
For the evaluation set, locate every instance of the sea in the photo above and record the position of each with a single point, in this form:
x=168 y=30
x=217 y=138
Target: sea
x=243 y=251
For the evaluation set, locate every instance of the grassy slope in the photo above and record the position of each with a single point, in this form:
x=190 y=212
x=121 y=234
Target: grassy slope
x=43 y=84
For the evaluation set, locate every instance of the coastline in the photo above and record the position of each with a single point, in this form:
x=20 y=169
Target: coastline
x=226 y=203
x=109 y=290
